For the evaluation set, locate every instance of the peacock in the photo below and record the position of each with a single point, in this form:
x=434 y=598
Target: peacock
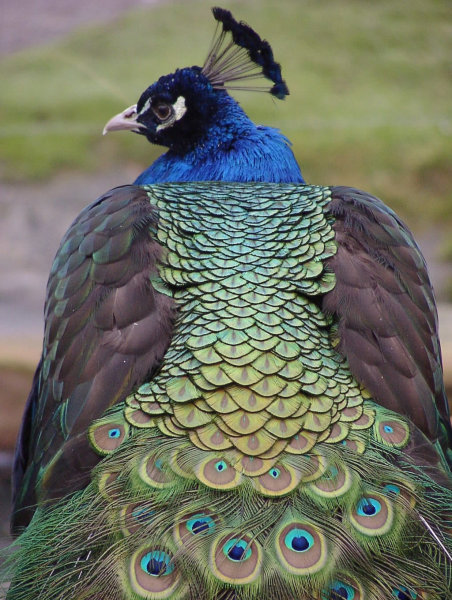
x=240 y=394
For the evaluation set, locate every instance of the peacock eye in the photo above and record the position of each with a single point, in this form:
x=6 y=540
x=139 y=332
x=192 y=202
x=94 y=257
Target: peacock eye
x=162 y=111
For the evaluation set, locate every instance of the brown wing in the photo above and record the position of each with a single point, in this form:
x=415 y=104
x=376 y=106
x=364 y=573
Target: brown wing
x=386 y=312
x=106 y=330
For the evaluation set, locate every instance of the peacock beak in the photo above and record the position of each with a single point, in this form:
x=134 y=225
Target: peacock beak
x=127 y=119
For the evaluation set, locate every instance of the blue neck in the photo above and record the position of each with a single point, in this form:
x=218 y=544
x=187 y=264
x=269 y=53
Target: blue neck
x=233 y=149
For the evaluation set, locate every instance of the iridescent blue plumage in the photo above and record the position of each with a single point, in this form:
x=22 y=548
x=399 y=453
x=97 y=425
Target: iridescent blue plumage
x=214 y=140
x=248 y=162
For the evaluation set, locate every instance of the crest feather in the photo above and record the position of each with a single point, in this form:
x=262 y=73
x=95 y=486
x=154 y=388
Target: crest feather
x=245 y=57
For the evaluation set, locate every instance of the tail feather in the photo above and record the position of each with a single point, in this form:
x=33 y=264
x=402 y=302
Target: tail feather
x=151 y=526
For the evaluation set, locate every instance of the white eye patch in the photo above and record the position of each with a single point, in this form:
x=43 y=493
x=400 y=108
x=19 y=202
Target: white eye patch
x=146 y=107
x=179 y=110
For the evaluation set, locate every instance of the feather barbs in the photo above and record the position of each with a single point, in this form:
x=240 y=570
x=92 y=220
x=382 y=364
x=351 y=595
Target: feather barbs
x=245 y=57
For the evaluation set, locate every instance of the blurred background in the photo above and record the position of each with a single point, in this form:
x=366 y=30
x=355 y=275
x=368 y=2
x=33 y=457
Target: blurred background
x=369 y=106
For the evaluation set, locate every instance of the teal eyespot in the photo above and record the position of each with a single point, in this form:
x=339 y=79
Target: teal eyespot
x=299 y=540
x=368 y=507
x=331 y=473
x=157 y=563
x=403 y=593
x=142 y=514
x=237 y=549
x=275 y=472
x=339 y=591
x=114 y=433
x=221 y=466
x=200 y=524
x=391 y=488
x=388 y=429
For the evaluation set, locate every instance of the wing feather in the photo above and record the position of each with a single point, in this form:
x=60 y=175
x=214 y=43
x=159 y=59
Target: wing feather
x=385 y=307
x=106 y=330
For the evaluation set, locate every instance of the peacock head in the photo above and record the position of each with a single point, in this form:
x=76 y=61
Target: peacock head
x=178 y=109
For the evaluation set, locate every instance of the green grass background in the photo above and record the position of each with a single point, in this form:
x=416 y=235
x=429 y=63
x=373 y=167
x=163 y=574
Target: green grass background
x=370 y=100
